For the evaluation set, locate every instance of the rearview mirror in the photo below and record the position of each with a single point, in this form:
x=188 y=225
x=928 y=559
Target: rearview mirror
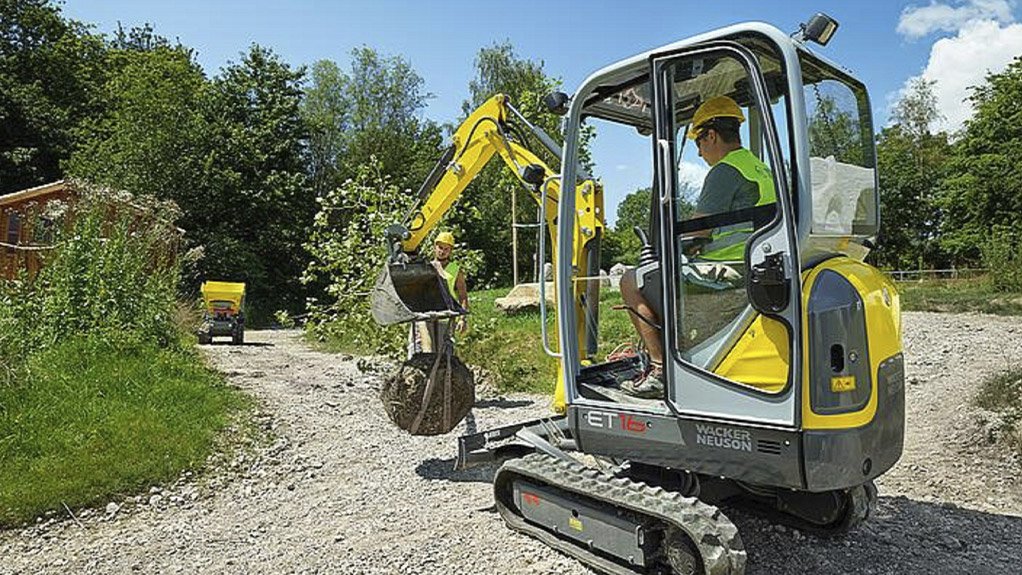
x=557 y=103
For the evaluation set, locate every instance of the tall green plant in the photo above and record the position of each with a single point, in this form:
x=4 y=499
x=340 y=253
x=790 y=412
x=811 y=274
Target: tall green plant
x=113 y=272
x=1001 y=256
x=348 y=250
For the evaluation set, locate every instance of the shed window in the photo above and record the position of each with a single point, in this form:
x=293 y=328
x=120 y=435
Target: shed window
x=13 y=228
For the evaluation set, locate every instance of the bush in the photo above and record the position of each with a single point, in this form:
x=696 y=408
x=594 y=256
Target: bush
x=348 y=250
x=113 y=270
x=97 y=394
x=1001 y=256
x=1001 y=395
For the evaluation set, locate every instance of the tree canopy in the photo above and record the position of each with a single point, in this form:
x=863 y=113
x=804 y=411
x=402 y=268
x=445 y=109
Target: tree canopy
x=983 y=187
x=51 y=69
x=261 y=156
x=911 y=163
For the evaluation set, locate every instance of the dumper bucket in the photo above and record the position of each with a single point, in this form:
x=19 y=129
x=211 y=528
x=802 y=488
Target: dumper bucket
x=216 y=296
x=412 y=291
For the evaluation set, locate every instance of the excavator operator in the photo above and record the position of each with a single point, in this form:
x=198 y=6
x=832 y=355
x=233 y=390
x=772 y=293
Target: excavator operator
x=737 y=180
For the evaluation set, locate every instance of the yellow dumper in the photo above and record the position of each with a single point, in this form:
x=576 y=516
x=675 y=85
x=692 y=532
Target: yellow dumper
x=222 y=312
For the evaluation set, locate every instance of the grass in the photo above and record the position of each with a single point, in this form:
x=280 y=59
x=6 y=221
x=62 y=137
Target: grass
x=508 y=346
x=957 y=296
x=91 y=419
x=1002 y=394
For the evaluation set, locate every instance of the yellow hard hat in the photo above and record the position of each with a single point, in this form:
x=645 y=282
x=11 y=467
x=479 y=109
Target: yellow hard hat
x=717 y=107
x=445 y=238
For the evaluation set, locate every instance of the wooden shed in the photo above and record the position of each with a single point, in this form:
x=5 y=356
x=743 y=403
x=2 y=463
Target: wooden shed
x=26 y=226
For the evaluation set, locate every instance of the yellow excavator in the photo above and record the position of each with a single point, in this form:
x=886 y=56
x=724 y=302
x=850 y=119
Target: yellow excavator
x=407 y=289
x=783 y=367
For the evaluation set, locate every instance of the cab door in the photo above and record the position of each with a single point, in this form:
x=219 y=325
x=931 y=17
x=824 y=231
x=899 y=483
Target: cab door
x=731 y=316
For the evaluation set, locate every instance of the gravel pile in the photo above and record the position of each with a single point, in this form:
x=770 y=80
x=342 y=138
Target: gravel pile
x=336 y=488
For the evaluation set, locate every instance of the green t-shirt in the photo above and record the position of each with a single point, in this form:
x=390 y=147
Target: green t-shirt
x=738 y=181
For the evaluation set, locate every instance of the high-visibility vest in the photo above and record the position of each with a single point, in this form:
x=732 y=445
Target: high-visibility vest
x=729 y=243
x=451 y=275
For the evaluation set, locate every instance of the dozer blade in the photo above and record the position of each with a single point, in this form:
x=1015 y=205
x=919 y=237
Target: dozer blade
x=412 y=291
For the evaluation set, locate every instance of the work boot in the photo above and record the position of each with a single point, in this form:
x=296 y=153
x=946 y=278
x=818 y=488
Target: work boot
x=649 y=385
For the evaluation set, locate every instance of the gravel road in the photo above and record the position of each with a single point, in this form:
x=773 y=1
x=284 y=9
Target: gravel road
x=337 y=489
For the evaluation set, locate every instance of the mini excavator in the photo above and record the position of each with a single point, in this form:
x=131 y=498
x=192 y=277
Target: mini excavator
x=784 y=388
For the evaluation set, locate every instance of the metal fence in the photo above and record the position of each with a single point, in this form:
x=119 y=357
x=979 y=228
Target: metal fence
x=948 y=274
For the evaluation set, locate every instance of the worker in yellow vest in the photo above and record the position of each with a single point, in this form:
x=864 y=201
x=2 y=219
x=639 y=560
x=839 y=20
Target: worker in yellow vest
x=426 y=336
x=451 y=272
x=737 y=180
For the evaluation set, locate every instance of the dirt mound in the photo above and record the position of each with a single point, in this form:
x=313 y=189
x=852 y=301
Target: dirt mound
x=447 y=400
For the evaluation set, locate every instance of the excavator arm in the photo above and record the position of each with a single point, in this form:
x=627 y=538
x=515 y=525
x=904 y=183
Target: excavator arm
x=497 y=129
x=491 y=131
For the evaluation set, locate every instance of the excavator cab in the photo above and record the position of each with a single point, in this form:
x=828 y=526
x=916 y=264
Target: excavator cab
x=783 y=367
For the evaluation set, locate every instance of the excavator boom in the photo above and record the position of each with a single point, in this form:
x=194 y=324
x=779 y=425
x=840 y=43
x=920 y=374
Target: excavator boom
x=409 y=288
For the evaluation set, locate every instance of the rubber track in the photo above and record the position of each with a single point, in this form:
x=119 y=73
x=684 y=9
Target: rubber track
x=711 y=532
x=860 y=504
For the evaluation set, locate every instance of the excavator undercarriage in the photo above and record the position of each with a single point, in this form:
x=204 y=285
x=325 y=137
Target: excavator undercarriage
x=628 y=517
x=613 y=523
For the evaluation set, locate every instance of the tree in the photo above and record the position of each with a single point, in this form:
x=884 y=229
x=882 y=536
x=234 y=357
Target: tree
x=633 y=211
x=834 y=132
x=151 y=135
x=386 y=100
x=230 y=152
x=327 y=112
x=622 y=244
x=917 y=109
x=348 y=258
x=50 y=69
x=910 y=160
x=373 y=111
x=256 y=177
x=983 y=188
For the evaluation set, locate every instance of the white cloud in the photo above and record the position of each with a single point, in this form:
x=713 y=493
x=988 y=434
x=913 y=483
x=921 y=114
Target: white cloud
x=964 y=60
x=692 y=174
x=918 y=21
x=690 y=179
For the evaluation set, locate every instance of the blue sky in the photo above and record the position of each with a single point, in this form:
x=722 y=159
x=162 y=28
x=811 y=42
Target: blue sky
x=884 y=43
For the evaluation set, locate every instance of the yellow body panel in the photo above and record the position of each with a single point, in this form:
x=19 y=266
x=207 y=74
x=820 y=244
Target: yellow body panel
x=233 y=292
x=883 y=330
x=760 y=357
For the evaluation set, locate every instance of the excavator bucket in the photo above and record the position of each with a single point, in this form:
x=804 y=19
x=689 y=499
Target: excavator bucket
x=412 y=291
